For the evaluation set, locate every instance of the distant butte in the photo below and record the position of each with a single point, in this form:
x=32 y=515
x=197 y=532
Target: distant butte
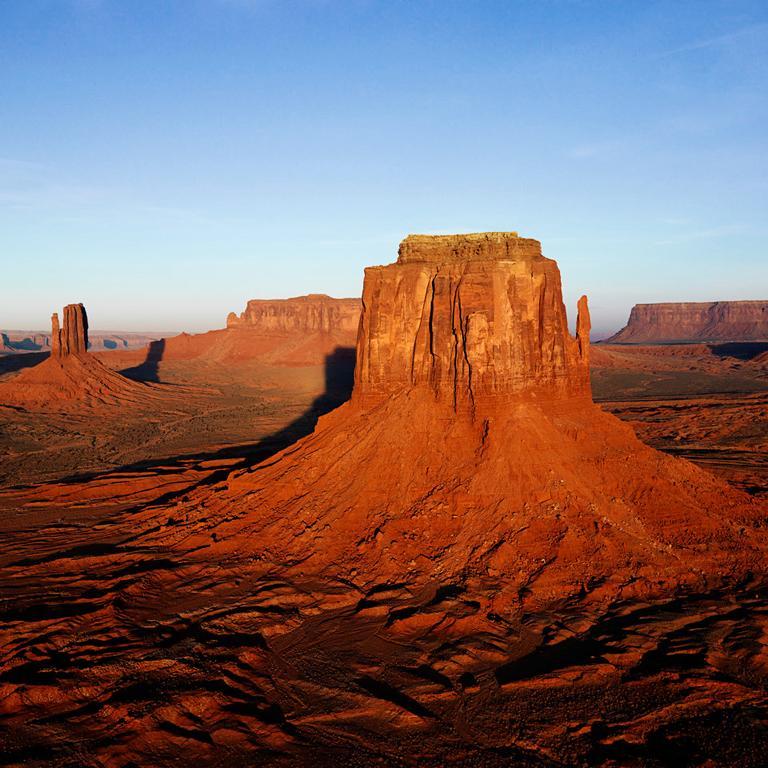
x=72 y=337
x=71 y=377
x=695 y=321
x=302 y=331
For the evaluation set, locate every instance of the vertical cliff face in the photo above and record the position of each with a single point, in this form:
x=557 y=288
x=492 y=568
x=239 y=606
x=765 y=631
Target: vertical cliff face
x=72 y=337
x=303 y=314
x=473 y=318
x=695 y=321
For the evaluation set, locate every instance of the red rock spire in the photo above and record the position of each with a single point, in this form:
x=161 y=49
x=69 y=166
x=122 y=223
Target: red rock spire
x=583 y=327
x=72 y=337
x=55 y=335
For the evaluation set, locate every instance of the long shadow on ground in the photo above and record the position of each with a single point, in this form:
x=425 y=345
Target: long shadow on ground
x=13 y=363
x=740 y=350
x=339 y=373
x=149 y=370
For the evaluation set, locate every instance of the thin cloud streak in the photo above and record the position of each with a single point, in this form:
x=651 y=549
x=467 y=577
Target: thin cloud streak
x=703 y=234
x=715 y=42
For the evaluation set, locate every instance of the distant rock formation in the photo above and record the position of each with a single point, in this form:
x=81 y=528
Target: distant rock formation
x=18 y=341
x=70 y=377
x=306 y=314
x=695 y=321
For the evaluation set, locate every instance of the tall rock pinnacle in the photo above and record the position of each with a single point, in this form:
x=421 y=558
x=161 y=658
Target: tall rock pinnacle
x=72 y=337
x=583 y=327
x=475 y=318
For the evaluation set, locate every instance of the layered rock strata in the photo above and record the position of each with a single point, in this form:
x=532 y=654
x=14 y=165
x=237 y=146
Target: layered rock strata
x=695 y=321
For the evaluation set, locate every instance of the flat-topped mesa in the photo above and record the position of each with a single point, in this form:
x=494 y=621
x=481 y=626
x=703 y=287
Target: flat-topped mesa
x=695 y=321
x=474 y=318
x=72 y=337
x=305 y=314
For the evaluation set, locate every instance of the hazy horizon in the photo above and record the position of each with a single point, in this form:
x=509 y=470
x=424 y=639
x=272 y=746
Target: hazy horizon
x=599 y=332
x=164 y=163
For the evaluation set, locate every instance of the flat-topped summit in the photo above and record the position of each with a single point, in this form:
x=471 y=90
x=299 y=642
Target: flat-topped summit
x=474 y=246
x=683 y=321
x=315 y=313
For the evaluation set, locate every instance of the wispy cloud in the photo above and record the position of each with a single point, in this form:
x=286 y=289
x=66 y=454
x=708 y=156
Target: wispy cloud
x=597 y=148
x=711 y=233
x=719 y=41
x=14 y=164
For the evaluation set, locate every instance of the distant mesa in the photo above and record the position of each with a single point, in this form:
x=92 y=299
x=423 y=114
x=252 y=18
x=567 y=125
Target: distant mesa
x=297 y=332
x=471 y=452
x=315 y=313
x=695 y=321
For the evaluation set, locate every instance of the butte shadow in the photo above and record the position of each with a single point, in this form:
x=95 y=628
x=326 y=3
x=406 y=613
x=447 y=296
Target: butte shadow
x=338 y=374
x=149 y=369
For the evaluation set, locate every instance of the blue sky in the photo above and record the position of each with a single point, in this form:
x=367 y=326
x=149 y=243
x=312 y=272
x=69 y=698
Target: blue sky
x=164 y=161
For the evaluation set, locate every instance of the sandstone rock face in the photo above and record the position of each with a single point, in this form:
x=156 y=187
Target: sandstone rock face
x=306 y=314
x=55 y=335
x=695 y=321
x=72 y=337
x=472 y=318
